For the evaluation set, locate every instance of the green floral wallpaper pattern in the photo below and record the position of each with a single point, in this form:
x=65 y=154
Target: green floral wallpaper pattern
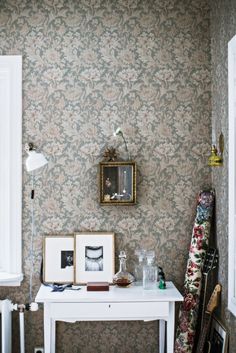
x=90 y=66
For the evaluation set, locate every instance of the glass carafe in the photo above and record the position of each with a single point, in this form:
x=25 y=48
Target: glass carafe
x=123 y=278
x=138 y=270
x=150 y=272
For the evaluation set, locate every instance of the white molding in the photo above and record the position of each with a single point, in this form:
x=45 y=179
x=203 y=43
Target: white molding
x=232 y=175
x=10 y=279
x=11 y=167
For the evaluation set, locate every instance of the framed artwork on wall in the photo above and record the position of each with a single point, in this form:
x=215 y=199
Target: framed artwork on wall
x=58 y=259
x=218 y=337
x=94 y=257
x=118 y=183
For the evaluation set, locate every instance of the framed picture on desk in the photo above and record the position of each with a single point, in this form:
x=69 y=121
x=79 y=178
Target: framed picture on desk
x=58 y=259
x=94 y=257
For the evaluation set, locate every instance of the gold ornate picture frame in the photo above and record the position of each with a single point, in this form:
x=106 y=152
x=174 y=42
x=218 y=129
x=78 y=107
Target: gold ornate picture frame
x=118 y=183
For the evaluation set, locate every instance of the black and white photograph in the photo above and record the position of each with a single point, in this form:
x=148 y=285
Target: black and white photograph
x=66 y=258
x=218 y=337
x=58 y=259
x=94 y=257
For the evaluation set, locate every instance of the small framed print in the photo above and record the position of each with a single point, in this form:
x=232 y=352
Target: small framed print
x=94 y=257
x=118 y=183
x=58 y=259
x=218 y=337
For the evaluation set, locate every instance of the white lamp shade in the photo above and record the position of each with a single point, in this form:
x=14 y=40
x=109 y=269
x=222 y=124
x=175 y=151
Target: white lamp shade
x=35 y=160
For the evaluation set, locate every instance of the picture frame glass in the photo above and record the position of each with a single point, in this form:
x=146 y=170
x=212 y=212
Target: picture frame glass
x=94 y=257
x=118 y=182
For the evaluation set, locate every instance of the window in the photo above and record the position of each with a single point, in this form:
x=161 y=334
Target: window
x=232 y=174
x=10 y=169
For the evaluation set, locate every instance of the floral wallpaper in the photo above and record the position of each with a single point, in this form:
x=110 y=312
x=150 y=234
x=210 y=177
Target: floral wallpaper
x=90 y=66
x=223 y=28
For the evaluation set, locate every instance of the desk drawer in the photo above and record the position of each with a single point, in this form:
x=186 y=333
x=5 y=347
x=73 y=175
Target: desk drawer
x=110 y=311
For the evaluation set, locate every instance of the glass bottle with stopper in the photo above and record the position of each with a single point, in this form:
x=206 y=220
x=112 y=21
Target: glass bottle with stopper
x=150 y=272
x=138 y=271
x=123 y=278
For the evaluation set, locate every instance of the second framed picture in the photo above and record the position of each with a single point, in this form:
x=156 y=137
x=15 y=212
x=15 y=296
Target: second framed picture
x=218 y=337
x=94 y=260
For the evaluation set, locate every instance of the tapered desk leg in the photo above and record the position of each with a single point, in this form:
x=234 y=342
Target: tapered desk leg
x=162 y=329
x=49 y=331
x=171 y=328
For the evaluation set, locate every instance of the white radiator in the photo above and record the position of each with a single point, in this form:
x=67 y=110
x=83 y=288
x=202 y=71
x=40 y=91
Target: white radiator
x=6 y=325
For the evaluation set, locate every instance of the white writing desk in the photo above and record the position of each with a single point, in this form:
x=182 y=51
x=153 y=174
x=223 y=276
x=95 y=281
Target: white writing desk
x=132 y=303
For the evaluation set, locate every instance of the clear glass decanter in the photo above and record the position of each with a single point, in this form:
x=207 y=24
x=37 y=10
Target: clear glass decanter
x=123 y=278
x=138 y=270
x=150 y=272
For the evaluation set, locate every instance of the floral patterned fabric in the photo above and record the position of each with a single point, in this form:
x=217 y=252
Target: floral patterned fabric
x=192 y=285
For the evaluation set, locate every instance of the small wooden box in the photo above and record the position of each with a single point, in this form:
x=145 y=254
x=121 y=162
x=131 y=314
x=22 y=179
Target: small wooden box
x=97 y=286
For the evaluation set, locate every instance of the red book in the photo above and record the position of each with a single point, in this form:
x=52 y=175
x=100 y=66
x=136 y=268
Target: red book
x=97 y=286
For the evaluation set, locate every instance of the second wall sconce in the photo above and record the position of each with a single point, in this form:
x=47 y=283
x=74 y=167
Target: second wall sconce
x=216 y=158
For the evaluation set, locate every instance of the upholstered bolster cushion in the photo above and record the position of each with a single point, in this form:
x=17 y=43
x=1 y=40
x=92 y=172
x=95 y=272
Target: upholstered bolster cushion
x=193 y=278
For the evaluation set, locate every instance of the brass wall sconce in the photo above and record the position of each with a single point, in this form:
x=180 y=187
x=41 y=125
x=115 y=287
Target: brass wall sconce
x=216 y=158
